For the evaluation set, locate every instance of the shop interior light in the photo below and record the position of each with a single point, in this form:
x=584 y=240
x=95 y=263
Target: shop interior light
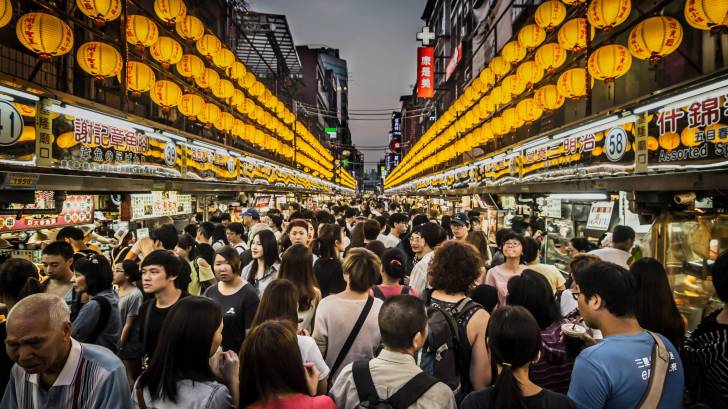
x=533 y=144
x=682 y=98
x=579 y=196
x=90 y=115
x=18 y=93
x=174 y=137
x=210 y=146
x=587 y=127
x=6 y=97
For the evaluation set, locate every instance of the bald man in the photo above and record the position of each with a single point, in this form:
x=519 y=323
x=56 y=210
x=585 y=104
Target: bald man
x=53 y=370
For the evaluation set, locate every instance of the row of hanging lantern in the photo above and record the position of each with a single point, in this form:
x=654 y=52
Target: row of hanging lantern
x=508 y=77
x=49 y=36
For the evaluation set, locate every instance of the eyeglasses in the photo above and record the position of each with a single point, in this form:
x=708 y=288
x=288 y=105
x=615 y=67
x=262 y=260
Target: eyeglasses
x=575 y=295
x=513 y=243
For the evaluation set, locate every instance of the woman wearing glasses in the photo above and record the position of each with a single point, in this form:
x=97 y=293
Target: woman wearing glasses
x=498 y=276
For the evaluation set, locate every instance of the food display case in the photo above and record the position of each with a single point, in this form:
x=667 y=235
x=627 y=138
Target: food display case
x=688 y=245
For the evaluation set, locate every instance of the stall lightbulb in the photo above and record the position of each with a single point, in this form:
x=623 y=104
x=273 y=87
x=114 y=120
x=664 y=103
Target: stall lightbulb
x=579 y=196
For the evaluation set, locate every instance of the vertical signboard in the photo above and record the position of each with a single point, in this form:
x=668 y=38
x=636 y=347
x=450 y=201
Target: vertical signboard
x=44 y=135
x=425 y=72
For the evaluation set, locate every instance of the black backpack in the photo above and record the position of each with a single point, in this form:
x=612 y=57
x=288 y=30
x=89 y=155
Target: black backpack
x=104 y=315
x=446 y=354
x=379 y=294
x=402 y=399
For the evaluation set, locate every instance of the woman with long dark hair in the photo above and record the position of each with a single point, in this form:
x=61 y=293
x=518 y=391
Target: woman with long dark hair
x=273 y=375
x=655 y=306
x=201 y=276
x=514 y=341
x=180 y=374
x=266 y=262
x=98 y=321
x=237 y=297
x=327 y=269
x=219 y=238
x=280 y=302
x=532 y=291
x=296 y=266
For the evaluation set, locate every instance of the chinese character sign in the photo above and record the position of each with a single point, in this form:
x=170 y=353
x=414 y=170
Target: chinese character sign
x=425 y=72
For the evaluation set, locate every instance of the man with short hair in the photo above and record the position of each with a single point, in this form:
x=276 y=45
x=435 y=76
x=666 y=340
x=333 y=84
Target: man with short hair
x=160 y=270
x=75 y=237
x=398 y=224
x=349 y=215
x=57 y=264
x=371 y=230
x=403 y=326
x=234 y=233
x=225 y=219
x=53 y=370
x=204 y=232
x=250 y=218
x=424 y=239
x=165 y=236
x=615 y=372
x=459 y=225
x=622 y=242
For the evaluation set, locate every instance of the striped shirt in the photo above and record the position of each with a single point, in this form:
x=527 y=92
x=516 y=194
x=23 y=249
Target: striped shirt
x=705 y=352
x=92 y=377
x=553 y=369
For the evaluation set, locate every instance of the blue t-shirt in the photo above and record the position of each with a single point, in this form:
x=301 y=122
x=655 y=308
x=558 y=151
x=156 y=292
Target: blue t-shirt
x=614 y=374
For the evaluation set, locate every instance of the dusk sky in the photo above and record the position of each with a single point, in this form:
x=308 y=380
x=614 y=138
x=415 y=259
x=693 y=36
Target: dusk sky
x=375 y=37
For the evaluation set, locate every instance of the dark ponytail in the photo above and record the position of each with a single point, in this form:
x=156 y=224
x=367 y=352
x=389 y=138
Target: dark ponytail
x=19 y=278
x=187 y=242
x=393 y=261
x=514 y=340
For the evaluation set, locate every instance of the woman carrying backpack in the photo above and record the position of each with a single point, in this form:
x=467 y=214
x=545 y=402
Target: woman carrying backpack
x=452 y=272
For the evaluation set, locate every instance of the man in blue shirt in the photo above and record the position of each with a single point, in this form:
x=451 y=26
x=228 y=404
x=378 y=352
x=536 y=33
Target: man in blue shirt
x=53 y=370
x=615 y=372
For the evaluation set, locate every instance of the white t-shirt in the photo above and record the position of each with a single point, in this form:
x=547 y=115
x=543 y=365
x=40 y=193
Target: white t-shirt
x=568 y=303
x=389 y=240
x=311 y=353
x=418 y=277
x=613 y=255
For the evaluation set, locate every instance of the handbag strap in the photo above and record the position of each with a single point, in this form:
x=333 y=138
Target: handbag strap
x=658 y=376
x=140 y=397
x=412 y=391
x=352 y=336
x=363 y=382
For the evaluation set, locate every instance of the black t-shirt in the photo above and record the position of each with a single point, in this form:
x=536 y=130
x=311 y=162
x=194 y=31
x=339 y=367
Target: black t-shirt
x=238 y=311
x=484 y=399
x=6 y=364
x=330 y=276
x=150 y=328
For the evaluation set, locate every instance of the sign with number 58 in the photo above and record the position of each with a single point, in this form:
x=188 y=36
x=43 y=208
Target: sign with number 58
x=615 y=144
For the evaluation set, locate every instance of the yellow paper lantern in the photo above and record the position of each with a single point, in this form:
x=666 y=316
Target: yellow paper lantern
x=486 y=105
x=209 y=114
x=166 y=94
x=238 y=127
x=550 y=56
x=25 y=110
x=514 y=85
x=237 y=98
x=190 y=105
x=607 y=14
x=223 y=89
x=715 y=129
x=486 y=133
x=208 y=46
x=572 y=83
x=6 y=12
x=499 y=66
x=257 y=89
x=101 y=11
x=550 y=14
x=609 y=62
x=498 y=126
x=141 y=31
x=170 y=11
x=549 y=98
x=190 y=28
x=190 y=66
x=654 y=38
x=513 y=52
x=705 y=14
x=511 y=119
x=529 y=73
x=224 y=58
x=166 y=51
x=99 y=59
x=487 y=78
x=237 y=70
x=139 y=77
x=225 y=122
x=66 y=140
x=669 y=140
x=44 y=34
x=247 y=81
x=208 y=78
x=531 y=36
x=689 y=137
x=573 y=3
x=572 y=35
x=529 y=110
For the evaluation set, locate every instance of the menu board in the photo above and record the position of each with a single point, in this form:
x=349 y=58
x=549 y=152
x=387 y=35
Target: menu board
x=600 y=216
x=262 y=202
x=77 y=209
x=158 y=204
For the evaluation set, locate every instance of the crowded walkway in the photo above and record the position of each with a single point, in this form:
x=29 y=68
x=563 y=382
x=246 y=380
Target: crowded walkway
x=348 y=305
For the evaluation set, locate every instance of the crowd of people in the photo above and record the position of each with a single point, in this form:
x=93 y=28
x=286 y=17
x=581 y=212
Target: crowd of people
x=351 y=305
